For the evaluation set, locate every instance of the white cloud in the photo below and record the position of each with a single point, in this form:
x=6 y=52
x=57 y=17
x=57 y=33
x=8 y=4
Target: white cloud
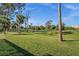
x=74 y=14
x=67 y=19
x=72 y=7
x=70 y=17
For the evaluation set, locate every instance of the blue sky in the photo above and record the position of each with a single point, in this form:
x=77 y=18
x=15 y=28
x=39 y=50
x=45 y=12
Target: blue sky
x=40 y=13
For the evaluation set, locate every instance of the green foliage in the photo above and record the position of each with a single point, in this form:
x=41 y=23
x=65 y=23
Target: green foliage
x=20 y=19
x=49 y=25
x=5 y=21
x=38 y=28
x=69 y=28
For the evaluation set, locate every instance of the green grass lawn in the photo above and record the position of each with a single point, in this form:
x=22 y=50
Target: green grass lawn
x=46 y=43
x=9 y=49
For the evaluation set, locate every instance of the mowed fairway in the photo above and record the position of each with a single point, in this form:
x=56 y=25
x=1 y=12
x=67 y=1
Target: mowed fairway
x=45 y=44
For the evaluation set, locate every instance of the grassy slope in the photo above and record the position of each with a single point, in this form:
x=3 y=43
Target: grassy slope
x=7 y=49
x=42 y=44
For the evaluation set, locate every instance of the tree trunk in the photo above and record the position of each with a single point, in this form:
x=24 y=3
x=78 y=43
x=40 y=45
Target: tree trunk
x=26 y=24
x=60 y=22
x=18 y=27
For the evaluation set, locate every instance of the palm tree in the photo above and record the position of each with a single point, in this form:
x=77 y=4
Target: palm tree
x=19 y=20
x=60 y=22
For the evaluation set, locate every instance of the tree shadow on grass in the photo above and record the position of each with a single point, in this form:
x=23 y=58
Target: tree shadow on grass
x=70 y=40
x=65 y=33
x=22 y=34
x=19 y=49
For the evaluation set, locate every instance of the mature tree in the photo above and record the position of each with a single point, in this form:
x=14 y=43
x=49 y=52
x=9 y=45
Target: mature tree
x=19 y=20
x=19 y=17
x=63 y=26
x=8 y=9
x=19 y=7
x=5 y=23
x=53 y=26
x=42 y=27
x=49 y=25
x=26 y=20
x=30 y=26
x=60 y=22
x=13 y=26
